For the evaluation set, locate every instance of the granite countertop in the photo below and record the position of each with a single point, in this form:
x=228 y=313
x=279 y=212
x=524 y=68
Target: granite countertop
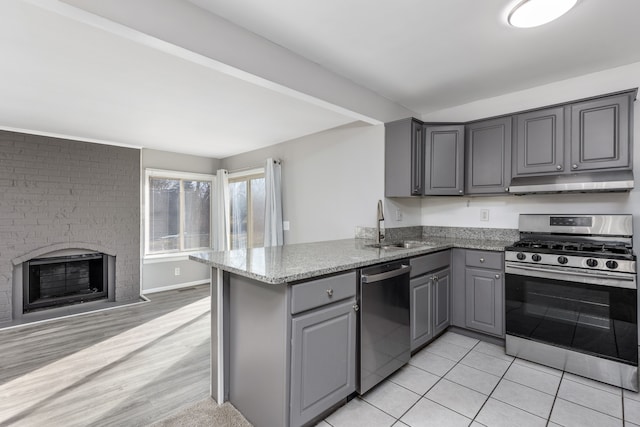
x=291 y=263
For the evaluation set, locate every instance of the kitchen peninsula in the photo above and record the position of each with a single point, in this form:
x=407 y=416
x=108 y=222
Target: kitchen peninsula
x=264 y=296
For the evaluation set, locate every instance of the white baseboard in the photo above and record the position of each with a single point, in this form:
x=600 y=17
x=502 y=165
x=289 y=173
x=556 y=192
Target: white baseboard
x=172 y=287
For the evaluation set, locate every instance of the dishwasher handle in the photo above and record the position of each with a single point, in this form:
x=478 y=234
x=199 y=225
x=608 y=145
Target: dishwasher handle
x=371 y=278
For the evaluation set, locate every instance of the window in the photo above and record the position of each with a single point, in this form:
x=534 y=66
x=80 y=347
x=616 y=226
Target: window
x=178 y=212
x=246 y=193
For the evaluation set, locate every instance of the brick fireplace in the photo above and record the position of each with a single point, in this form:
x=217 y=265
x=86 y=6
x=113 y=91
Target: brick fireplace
x=67 y=198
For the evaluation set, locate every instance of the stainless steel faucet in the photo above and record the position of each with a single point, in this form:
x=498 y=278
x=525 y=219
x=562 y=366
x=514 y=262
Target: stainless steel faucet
x=380 y=217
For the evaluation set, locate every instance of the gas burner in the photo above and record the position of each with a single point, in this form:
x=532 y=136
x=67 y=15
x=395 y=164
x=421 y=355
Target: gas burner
x=564 y=247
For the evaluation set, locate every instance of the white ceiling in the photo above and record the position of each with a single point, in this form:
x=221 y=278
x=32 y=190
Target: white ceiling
x=219 y=77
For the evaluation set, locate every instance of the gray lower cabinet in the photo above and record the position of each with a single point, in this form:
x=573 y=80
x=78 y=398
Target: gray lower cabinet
x=421 y=311
x=477 y=291
x=488 y=156
x=444 y=160
x=291 y=347
x=430 y=296
x=441 y=293
x=484 y=301
x=323 y=372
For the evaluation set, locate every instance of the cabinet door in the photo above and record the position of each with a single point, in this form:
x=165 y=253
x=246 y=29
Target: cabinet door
x=421 y=311
x=539 y=146
x=323 y=362
x=484 y=295
x=441 y=292
x=600 y=136
x=444 y=160
x=488 y=154
x=403 y=173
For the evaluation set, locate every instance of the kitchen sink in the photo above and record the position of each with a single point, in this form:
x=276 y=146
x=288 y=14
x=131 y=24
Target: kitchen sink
x=407 y=244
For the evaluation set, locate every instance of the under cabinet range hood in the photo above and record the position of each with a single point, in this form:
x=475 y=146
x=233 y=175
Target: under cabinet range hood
x=609 y=181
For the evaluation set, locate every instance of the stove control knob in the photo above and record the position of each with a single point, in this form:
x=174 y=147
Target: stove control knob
x=563 y=259
x=536 y=257
x=592 y=262
x=521 y=256
x=612 y=265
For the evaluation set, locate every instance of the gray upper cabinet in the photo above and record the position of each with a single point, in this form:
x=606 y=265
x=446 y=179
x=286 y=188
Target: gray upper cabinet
x=600 y=133
x=444 y=160
x=323 y=360
x=488 y=156
x=539 y=146
x=582 y=136
x=403 y=155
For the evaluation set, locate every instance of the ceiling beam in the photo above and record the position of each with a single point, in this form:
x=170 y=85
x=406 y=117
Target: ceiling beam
x=184 y=30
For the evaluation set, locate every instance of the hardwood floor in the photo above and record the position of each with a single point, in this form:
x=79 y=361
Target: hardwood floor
x=129 y=366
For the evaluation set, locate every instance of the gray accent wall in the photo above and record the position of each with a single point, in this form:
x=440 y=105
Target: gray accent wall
x=158 y=273
x=63 y=194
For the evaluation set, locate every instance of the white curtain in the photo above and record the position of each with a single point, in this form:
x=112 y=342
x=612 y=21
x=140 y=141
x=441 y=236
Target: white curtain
x=273 y=235
x=221 y=208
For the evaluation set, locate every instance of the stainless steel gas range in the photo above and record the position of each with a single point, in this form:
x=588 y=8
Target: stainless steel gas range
x=571 y=296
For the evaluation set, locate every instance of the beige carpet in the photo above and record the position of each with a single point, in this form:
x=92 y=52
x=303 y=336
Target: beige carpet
x=205 y=413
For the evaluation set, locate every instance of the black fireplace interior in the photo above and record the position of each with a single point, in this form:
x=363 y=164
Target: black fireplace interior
x=59 y=281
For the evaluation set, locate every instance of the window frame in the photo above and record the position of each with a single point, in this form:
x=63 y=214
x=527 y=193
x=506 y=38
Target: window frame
x=182 y=176
x=247 y=175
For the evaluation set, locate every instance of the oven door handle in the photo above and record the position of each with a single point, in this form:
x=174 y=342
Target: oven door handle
x=627 y=281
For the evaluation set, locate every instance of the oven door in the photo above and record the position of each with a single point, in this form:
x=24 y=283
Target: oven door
x=582 y=310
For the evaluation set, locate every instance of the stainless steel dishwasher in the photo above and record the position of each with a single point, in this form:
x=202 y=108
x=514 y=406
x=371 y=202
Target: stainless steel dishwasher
x=385 y=337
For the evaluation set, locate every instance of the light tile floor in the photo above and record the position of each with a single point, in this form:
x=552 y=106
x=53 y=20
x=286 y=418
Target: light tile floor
x=460 y=381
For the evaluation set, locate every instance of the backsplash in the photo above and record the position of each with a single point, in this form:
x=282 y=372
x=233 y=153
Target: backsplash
x=424 y=232
x=390 y=234
x=471 y=233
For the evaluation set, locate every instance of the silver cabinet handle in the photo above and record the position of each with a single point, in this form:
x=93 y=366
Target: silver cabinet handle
x=506 y=189
x=559 y=167
x=330 y=292
x=481 y=259
x=356 y=307
x=460 y=191
x=497 y=276
x=574 y=166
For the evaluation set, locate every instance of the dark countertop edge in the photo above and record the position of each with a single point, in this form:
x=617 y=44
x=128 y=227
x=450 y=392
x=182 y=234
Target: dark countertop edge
x=484 y=245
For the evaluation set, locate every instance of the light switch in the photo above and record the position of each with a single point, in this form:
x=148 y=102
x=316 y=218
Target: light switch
x=285 y=225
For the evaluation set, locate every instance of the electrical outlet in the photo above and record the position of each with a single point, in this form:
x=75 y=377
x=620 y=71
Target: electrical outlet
x=398 y=214
x=176 y=271
x=285 y=225
x=484 y=214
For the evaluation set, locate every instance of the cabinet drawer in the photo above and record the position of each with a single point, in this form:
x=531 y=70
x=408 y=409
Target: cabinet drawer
x=316 y=293
x=426 y=263
x=485 y=259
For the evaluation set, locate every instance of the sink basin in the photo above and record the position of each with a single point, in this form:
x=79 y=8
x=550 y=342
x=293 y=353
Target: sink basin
x=397 y=245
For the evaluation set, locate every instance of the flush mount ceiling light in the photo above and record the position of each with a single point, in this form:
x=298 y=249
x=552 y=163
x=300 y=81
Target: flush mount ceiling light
x=531 y=13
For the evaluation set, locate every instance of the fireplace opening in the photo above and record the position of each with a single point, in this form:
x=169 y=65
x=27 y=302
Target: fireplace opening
x=65 y=280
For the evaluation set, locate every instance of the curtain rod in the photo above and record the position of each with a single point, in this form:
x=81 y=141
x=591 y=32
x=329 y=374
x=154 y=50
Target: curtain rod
x=275 y=161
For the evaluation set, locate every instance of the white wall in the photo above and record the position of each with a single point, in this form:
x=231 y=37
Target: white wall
x=504 y=210
x=332 y=182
